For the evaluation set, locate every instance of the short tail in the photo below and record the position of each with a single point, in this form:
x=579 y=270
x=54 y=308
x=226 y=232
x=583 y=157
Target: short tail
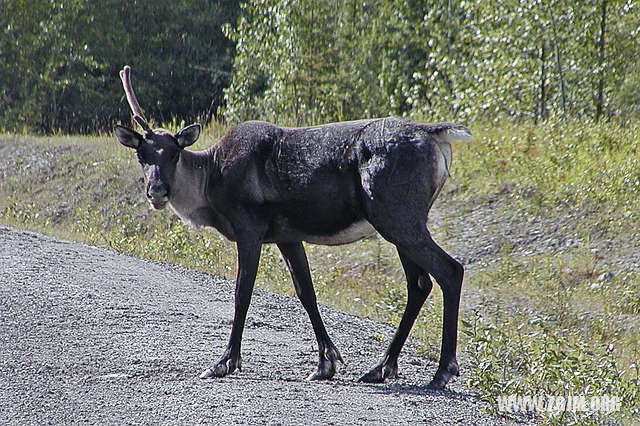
x=450 y=132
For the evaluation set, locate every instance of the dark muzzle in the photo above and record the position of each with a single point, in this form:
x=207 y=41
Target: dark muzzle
x=158 y=195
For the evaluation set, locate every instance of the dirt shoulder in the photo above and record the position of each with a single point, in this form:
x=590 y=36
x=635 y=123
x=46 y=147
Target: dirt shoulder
x=89 y=335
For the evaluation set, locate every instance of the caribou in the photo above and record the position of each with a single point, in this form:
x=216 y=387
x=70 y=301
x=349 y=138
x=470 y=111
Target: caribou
x=328 y=184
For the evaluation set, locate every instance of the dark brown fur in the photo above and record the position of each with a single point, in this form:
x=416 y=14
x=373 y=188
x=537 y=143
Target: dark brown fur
x=329 y=184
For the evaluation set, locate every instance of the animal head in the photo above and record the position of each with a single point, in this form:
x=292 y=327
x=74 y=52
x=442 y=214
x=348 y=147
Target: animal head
x=158 y=151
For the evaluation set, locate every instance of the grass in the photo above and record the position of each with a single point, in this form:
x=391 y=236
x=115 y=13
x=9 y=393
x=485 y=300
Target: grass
x=562 y=165
x=559 y=330
x=559 y=323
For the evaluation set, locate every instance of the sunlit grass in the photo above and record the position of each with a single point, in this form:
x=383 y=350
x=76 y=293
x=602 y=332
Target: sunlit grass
x=561 y=165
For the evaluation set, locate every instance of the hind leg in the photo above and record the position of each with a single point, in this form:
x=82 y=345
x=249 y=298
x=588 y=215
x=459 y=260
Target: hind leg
x=448 y=273
x=407 y=229
x=419 y=286
x=399 y=188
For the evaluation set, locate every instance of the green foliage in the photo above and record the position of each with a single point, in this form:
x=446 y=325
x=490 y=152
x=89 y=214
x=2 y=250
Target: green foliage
x=590 y=168
x=59 y=61
x=627 y=99
x=313 y=61
x=490 y=59
x=37 y=50
x=557 y=331
x=287 y=61
x=535 y=358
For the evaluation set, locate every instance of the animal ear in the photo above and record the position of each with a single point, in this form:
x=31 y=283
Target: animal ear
x=128 y=137
x=188 y=135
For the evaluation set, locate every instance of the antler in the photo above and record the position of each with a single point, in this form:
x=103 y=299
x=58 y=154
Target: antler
x=138 y=116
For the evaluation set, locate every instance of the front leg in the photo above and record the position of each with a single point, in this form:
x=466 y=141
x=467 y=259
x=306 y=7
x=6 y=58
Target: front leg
x=248 y=259
x=296 y=259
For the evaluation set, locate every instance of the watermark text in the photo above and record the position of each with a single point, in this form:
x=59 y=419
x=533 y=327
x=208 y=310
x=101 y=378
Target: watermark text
x=558 y=403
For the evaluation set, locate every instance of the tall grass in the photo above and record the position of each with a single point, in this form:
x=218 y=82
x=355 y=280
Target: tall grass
x=560 y=165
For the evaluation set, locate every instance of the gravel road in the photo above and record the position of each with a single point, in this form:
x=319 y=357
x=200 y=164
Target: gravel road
x=92 y=336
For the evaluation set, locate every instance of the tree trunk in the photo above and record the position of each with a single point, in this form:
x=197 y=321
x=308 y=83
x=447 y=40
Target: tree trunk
x=556 y=49
x=601 y=45
x=541 y=110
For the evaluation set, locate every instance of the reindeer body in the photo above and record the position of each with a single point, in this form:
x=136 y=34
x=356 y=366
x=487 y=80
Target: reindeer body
x=313 y=184
x=328 y=184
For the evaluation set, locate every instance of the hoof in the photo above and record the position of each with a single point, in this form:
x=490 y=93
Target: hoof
x=327 y=365
x=380 y=373
x=223 y=368
x=444 y=375
x=437 y=383
x=210 y=373
x=322 y=374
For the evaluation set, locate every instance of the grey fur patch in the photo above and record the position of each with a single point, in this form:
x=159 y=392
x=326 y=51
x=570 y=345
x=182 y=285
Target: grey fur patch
x=457 y=133
x=353 y=233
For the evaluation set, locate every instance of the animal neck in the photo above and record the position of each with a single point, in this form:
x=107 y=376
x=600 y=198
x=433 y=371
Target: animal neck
x=195 y=174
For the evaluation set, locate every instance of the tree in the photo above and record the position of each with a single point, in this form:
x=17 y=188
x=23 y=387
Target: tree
x=61 y=60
